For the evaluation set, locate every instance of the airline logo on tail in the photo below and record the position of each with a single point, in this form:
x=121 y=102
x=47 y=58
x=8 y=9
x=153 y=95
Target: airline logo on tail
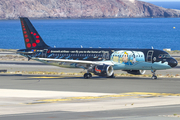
x=31 y=37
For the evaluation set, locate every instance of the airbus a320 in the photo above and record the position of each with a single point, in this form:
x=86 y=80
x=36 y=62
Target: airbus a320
x=100 y=61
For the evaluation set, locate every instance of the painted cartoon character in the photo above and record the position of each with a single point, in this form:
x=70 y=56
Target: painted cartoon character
x=125 y=57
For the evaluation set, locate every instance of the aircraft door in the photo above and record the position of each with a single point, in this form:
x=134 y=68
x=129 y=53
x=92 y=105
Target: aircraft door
x=149 y=56
x=106 y=55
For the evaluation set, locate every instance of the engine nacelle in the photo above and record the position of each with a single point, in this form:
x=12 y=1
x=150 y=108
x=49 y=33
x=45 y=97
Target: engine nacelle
x=136 y=72
x=103 y=70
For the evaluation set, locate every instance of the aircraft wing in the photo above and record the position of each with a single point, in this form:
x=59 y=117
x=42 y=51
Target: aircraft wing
x=77 y=61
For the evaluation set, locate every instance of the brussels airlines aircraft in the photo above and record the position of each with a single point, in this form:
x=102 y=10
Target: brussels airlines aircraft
x=100 y=61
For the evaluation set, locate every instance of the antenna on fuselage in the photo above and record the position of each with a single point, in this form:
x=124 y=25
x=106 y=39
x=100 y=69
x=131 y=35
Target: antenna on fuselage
x=152 y=47
x=81 y=46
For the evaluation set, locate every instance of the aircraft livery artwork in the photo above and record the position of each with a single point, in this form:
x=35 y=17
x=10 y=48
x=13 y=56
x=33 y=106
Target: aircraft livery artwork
x=127 y=57
x=100 y=61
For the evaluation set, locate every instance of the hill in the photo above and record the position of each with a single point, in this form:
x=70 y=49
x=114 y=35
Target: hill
x=13 y=9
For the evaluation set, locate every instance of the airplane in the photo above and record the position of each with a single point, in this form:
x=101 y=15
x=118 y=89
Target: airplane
x=100 y=61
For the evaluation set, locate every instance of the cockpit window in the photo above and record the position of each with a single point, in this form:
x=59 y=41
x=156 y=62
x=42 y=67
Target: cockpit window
x=168 y=56
x=164 y=56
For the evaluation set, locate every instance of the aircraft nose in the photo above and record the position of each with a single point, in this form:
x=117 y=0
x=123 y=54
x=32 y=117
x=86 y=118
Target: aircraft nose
x=173 y=63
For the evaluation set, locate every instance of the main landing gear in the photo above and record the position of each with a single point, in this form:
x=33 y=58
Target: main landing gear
x=87 y=75
x=154 y=77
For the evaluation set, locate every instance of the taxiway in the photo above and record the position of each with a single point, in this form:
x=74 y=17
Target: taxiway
x=45 y=97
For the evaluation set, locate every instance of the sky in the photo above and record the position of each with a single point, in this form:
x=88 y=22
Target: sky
x=160 y=0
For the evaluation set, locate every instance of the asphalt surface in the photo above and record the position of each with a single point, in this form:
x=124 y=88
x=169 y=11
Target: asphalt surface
x=95 y=85
x=11 y=107
x=150 y=113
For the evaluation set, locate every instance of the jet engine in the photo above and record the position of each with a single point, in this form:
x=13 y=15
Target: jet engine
x=136 y=72
x=103 y=70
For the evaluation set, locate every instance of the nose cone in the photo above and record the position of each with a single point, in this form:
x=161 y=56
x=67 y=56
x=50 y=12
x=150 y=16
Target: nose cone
x=173 y=63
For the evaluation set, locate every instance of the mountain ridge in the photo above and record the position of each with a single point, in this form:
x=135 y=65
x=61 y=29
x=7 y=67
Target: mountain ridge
x=13 y=9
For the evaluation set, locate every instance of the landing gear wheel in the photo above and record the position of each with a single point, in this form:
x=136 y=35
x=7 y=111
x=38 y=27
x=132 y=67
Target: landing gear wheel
x=87 y=75
x=154 y=77
x=112 y=76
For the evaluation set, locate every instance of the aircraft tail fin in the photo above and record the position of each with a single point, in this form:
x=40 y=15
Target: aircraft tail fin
x=32 y=38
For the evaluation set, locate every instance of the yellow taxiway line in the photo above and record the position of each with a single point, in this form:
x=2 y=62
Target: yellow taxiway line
x=45 y=77
x=130 y=94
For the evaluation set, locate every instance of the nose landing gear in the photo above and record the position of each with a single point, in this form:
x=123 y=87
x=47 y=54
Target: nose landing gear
x=154 y=77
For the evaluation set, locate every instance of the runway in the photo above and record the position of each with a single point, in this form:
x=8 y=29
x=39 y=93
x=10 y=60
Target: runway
x=55 y=97
x=96 y=84
x=45 y=97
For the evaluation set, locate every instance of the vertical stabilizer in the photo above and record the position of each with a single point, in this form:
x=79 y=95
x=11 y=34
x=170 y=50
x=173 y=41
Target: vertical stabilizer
x=32 y=38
